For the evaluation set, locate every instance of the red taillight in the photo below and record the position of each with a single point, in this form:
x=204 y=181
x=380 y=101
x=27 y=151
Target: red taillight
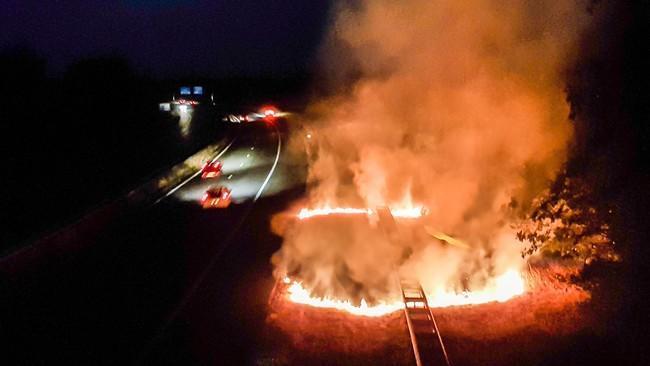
x=268 y=111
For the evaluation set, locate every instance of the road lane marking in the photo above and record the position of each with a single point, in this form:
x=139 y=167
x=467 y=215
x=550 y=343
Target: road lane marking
x=201 y=277
x=275 y=163
x=195 y=174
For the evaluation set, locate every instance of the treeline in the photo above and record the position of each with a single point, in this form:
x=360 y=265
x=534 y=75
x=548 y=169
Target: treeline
x=602 y=192
x=74 y=140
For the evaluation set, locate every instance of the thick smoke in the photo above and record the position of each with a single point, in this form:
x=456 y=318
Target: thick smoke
x=458 y=106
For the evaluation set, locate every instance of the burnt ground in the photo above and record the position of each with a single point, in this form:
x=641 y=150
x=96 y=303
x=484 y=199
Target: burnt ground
x=555 y=323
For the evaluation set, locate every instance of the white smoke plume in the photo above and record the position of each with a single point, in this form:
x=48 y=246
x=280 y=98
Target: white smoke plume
x=460 y=107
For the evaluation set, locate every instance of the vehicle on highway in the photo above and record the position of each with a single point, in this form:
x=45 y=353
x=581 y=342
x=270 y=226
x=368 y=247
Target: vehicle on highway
x=251 y=117
x=234 y=118
x=216 y=197
x=267 y=113
x=211 y=169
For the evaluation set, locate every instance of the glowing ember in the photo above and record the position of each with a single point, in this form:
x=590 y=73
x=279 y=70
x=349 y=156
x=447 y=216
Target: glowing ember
x=406 y=213
x=502 y=288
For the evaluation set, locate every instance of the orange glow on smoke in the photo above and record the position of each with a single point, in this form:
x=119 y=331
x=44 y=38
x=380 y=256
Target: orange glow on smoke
x=502 y=288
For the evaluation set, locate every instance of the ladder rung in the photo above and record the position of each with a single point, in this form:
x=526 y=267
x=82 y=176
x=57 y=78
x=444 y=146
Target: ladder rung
x=413 y=293
x=406 y=286
x=414 y=299
x=411 y=288
x=416 y=305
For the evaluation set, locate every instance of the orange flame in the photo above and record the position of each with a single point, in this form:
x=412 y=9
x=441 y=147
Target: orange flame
x=300 y=295
x=502 y=288
x=499 y=289
x=404 y=213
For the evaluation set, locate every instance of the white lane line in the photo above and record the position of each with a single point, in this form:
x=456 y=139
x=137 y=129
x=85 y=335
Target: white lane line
x=195 y=174
x=275 y=163
x=192 y=289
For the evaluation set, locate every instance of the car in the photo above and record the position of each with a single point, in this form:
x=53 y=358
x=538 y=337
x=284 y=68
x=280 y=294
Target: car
x=269 y=113
x=233 y=118
x=251 y=117
x=216 y=197
x=211 y=170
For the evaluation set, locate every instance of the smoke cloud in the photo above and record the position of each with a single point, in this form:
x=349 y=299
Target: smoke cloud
x=458 y=106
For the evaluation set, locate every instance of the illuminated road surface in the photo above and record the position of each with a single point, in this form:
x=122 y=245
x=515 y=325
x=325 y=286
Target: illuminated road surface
x=171 y=283
x=246 y=171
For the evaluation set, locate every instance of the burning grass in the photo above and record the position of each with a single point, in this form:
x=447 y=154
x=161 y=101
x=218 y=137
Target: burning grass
x=325 y=335
x=551 y=307
x=520 y=329
x=504 y=287
x=402 y=229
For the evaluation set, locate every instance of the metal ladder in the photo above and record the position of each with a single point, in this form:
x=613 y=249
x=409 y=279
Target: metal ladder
x=425 y=337
x=428 y=348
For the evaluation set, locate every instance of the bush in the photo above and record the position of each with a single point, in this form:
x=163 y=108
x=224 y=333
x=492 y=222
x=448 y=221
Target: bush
x=564 y=222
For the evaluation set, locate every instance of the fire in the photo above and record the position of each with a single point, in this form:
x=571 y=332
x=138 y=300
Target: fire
x=300 y=295
x=502 y=288
x=404 y=213
x=306 y=213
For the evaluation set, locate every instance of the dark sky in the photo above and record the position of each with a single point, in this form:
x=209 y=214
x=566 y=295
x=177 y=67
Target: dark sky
x=171 y=38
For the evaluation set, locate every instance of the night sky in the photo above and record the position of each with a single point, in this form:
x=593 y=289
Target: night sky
x=171 y=38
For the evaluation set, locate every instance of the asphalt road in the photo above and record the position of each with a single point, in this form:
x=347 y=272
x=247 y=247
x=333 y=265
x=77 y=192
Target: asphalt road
x=166 y=284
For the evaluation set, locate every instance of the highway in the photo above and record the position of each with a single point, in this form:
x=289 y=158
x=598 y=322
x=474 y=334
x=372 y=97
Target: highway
x=170 y=283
